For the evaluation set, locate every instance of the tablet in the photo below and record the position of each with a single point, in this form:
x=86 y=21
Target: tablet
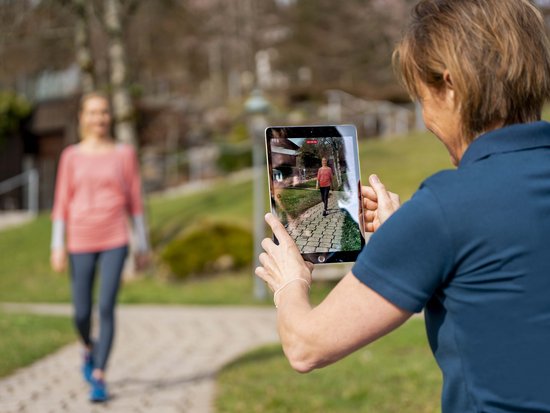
x=314 y=185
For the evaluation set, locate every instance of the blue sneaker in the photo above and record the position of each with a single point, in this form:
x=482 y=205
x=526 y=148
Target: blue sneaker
x=98 y=391
x=88 y=367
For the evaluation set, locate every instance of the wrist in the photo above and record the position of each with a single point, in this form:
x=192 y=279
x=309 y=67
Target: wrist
x=291 y=285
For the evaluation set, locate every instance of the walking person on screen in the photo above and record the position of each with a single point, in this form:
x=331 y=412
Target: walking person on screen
x=324 y=183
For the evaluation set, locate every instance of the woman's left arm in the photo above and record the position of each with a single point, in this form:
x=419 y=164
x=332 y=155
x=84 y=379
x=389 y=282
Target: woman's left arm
x=352 y=315
x=136 y=210
x=133 y=182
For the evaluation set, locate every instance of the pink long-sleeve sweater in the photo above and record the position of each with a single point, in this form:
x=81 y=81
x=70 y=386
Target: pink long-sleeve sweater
x=95 y=194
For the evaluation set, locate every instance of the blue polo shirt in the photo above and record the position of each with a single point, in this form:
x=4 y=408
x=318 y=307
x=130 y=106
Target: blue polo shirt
x=472 y=248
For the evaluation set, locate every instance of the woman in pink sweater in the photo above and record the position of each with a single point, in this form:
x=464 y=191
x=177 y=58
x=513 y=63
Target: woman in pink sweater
x=324 y=183
x=98 y=187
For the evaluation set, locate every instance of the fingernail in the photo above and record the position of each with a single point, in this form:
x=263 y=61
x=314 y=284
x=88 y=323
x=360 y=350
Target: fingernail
x=374 y=178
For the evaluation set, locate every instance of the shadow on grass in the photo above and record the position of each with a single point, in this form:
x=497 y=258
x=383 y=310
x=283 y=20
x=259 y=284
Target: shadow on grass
x=132 y=387
x=257 y=356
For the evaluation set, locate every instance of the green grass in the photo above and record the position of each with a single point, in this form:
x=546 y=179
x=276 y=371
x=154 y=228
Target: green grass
x=25 y=276
x=394 y=374
x=227 y=201
x=351 y=235
x=311 y=184
x=25 y=273
x=297 y=201
x=401 y=163
x=228 y=289
x=25 y=338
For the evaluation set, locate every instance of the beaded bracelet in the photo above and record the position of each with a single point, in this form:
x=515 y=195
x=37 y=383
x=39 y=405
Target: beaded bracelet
x=284 y=285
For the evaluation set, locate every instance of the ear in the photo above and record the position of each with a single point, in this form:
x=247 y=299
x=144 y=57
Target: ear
x=449 y=87
x=448 y=79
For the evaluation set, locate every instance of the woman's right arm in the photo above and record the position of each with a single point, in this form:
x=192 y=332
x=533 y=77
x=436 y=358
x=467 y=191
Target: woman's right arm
x=58 y=256
x=351 y=316
x=317 y=180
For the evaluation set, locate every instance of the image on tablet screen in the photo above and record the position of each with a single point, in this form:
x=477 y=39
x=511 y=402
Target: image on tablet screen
x=315 y=192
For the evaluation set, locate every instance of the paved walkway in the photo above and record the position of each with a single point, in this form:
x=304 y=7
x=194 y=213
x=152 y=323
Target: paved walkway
x=10 y=219
x=314 y=232
x=164 y=360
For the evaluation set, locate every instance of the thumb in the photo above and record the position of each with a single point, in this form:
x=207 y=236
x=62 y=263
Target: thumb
x=381 y=193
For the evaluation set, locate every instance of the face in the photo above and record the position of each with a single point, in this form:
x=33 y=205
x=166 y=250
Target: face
x=442 y=118
x=324 y=162
x=95 y=118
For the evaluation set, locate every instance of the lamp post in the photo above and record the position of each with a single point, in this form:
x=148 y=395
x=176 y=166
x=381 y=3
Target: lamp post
x=257 y=107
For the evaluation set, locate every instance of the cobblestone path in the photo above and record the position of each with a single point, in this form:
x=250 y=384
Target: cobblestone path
x=314 y=232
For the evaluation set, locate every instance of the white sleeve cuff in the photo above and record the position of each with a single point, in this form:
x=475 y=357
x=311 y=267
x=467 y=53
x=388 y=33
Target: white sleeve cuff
x=58 y=235
x=140 y=230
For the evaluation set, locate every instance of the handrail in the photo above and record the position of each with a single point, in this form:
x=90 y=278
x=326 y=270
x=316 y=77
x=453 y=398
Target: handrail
x=29 y=178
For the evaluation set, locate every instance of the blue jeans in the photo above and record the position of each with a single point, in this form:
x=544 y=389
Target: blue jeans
x=83 y=269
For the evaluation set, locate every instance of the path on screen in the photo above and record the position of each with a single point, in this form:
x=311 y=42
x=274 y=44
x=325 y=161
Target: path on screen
x=314 y=232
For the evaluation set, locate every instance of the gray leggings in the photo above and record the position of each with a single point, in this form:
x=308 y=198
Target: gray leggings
x=83 y=269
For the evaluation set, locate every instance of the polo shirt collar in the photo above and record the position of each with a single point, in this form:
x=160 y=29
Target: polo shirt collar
x=507 y=139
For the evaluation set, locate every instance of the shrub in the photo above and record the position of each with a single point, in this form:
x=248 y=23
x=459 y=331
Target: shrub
x=235 y=157
x=238 y=133
x=13 y=109
x=208 y=248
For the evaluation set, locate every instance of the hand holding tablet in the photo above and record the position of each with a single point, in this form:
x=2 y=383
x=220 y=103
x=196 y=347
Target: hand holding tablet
x=314 y=184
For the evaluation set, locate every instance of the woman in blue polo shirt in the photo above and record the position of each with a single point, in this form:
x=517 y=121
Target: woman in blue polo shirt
x=472 y=246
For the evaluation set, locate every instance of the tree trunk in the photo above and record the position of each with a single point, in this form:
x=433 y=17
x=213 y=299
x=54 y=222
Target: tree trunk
x=123 y=107
x=82 y=46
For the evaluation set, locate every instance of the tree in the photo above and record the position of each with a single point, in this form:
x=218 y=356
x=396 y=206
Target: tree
x=112 y=23
x=123 y=107
x=82 y=45
x=347 y=47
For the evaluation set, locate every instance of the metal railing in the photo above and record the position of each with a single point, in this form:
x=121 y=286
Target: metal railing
x=28 y=179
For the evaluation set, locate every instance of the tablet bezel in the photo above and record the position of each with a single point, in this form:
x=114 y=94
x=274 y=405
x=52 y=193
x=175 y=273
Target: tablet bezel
x=318 y=131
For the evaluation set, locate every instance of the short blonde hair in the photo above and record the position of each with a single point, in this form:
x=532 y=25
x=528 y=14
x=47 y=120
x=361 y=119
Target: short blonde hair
x=497 y=54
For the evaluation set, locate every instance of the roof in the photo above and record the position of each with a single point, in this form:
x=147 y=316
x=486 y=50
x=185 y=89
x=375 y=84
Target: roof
x=284 y=151
x=53 y=115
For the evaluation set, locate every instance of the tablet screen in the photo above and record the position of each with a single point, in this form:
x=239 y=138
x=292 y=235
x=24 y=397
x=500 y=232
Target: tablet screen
x=315 y=189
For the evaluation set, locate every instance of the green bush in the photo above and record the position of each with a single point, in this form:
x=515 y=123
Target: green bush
x=208 y=248
x=235 y=157
x=238 y=133
x=13 y=109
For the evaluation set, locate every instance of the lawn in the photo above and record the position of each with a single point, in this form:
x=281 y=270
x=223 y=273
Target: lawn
x=27 y=337
x=25 y=275
x=395 y=374
x=294 y=202
x=351 y=235
x=402 y=163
